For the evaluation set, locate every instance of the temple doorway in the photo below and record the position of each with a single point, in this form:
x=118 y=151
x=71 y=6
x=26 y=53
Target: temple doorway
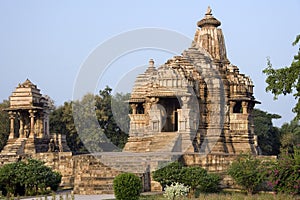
x=170 y=121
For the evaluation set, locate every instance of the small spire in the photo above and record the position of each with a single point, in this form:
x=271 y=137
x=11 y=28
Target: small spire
x=151 y=63
x=151 y=67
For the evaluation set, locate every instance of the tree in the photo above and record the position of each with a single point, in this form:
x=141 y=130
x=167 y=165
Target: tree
x=106 y=116
x=248 y=172
x=290 y=136
x=99 y=132
x=285 y=80
x=4 y=124
x=268 y=135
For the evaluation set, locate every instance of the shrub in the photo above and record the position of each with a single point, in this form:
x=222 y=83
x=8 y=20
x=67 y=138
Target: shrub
x=176 y=190
x=127 y=186
x=209 y=183
x=248 y=172
x=284 y=176
x=195 y=177
x=31 y=177
x=168 y=174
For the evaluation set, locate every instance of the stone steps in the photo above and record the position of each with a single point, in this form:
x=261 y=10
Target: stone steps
x=160 y=142
x=14 y=146
x=136 y=162
x=164 y=141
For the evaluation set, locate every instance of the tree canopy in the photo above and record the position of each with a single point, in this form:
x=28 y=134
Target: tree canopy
x=93 y=133
x=268 y=135
x=285 y=80
x=4 y=124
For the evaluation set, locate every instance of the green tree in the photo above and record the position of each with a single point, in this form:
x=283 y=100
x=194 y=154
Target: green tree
x=4 y=124
x=106 y=116
x=290 y=136
x=248 y=172
x=285 y=80
x=268 y=135
x=92 y=135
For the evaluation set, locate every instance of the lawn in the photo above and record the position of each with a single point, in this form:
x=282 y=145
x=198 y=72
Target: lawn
x=228 y=196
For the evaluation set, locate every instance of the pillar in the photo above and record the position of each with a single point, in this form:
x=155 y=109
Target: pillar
x=133 y=106
x=245 y=107
x=232 y=104
x=31 y=116
x=21 y=130
x=12 y=125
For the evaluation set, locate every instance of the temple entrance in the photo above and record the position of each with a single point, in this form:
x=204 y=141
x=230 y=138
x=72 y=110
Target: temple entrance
x=170 y=121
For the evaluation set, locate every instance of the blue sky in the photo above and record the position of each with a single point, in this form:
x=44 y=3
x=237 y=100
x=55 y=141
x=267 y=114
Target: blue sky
x=48 y=41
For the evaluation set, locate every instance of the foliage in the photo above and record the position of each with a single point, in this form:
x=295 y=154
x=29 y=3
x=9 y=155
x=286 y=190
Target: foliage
x=229 y=196
x=31 y=178
x=87 y=131
x=195 y=177
x=285 y=80
x=127 y=186
x=268 y=135
x=248 y=172
x=284 y=176
x=176 y=190
x=4 y=124
x=107 y=118
x=168 y=174
x=290 y=136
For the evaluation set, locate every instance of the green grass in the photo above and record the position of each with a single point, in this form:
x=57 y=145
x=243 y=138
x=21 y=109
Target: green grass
x=228 y=196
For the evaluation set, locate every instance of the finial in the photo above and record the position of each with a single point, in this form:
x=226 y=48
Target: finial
x=209 y=19
x=151 y=62
x=208 y=11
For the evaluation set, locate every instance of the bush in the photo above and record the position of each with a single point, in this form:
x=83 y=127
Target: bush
x=127 y=186
x=195 y=177
x=176 y=190
x=248 y=172
x=31 y=177
x=284 y=176
x=169 y=174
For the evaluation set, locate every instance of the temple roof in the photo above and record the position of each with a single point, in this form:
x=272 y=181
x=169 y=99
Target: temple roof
x=27 y=84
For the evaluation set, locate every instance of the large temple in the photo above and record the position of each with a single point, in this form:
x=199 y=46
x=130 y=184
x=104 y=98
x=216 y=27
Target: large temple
x=198 y=101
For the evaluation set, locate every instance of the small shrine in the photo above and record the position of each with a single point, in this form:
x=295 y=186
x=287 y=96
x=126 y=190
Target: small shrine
x=31 y=110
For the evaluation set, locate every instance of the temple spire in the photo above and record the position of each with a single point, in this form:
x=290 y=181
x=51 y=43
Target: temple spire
x=210 y=37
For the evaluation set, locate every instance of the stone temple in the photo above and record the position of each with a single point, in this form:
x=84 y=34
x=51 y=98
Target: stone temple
x=195 y=102
x=195 y=108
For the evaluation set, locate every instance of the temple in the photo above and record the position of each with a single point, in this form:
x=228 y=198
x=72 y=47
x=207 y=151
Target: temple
x=29 y=123
x=195 y=102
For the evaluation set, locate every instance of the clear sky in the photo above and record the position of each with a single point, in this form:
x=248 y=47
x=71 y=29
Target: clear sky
x=47 y=41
